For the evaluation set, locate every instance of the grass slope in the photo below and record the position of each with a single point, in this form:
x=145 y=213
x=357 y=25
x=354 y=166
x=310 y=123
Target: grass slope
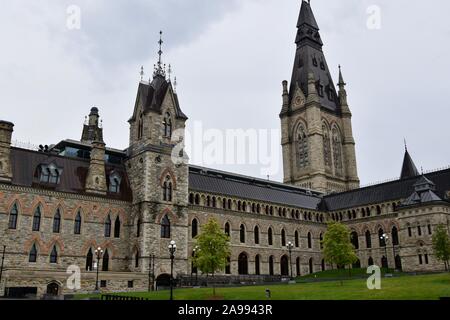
x=423 y=287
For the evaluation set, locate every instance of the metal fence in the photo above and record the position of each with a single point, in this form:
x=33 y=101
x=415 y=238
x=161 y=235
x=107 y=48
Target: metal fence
x=110 y=297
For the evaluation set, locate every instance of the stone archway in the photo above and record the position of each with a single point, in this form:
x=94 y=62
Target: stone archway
x=284 y=264
x=163 y=281
x=53 y=289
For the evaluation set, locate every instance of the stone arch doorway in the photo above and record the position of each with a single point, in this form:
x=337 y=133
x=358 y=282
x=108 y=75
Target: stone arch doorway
x=284 y=264
x=243 y=264
x=163 y=281
x=53 y=289
x=398 y=263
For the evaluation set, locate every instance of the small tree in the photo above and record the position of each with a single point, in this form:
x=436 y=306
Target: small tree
x=213 y=249
x=337 y=246
x=441 y=245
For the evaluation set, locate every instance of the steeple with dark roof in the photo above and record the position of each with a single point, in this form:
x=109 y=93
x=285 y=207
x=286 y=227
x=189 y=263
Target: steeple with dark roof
x=409 y=169
x=309 y=58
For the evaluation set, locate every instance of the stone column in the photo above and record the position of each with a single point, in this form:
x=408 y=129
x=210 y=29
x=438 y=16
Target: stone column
x=96 y=178
x=6 y=130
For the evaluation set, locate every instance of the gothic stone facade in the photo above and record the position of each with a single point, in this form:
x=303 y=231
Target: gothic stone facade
x=59 y=204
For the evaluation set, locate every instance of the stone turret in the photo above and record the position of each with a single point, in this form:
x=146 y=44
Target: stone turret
x=6 y=130
x=96 y=178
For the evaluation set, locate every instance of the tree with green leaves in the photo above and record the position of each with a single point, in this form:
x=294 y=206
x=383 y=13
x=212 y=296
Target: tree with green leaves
x=337 y=246
x=441 y=245
x=212 y=249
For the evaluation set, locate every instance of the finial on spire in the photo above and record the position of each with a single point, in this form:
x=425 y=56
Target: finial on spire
x=406 y=145
x=159 y=67
x=142 y=73
x=169 y=71
x=341 y=78
x=175 y=83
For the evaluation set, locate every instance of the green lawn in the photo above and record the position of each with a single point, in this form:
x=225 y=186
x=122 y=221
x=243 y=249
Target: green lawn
x=423 y=287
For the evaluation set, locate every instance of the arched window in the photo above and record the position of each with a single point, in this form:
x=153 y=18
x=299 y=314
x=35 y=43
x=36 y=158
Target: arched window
x=54 y=255
x=409 y=231
x=302 y=147
x=105 y=261
x=108 y=226
x=430 y=231
x=191 y=198
x=309 y=240
x=354 y=240
x=284 y=265
x=395 y=241
x=136 y=259
x=257 y=265
x=326 y=146
x=57 y=221
x=13 y=215
x=243 y=264
x=37 y=219
x=194 y=228
x=117 y=228
x=419 y=231
x=381 y=238
x=167 y=124
x=197 y=199
x=270 y=236
x=297 y=266
x=321 y=241
x=165 y=228
x=256 y=233
x=370 y=262
x=33 y=254
x=368 y=240
x=141 y=126
x=138 y=228
x=227 y=229
x=242 y=233
x=296 y=239
x=283 y=238
x=77 y=224
x=337 y=151
x=311 y=266
x=384 y=262
x=167 y=189
x=271 y=262
x=89 y=260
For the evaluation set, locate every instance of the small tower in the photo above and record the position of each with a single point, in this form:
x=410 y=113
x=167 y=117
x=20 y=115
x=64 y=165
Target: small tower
x=317 y=140
x=158 y=170
x=96 y=178
x=6 y=130
x=92 y=130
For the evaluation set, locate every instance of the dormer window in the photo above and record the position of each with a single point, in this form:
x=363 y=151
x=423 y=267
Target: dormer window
x=167 y=189
x=315 y=61
x=114 y=183
x=49 y=174
x=320 y=90
x=330 y=95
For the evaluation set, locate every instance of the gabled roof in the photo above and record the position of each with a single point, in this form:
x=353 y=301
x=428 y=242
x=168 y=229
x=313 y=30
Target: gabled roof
x=151 y=96
x=409 y=169
x=424 y=193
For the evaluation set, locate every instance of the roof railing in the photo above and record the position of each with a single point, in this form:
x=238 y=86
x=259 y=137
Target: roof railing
x=24 y=145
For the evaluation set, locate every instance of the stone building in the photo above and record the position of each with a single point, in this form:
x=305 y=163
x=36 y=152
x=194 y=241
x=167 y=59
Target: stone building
x=59 y=204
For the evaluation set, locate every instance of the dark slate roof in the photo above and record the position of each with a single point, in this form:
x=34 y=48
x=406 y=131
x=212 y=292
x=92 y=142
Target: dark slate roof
x=309 y=58
x=151 y=96
x=409 y=169
x=25 y=164
x=424 y=193
x=390 y=191
x=233 y=185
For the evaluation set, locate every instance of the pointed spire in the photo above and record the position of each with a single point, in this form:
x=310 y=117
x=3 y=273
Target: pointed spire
x=341 y=78
x=409 y=169
x=159 y=67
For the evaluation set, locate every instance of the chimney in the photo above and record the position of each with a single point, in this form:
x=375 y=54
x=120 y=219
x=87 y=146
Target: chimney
x=6 y=130
x=96 y=178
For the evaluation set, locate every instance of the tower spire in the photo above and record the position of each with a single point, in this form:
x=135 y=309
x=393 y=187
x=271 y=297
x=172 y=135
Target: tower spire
x=409 y=169
x=341 y=78
x=159 y=67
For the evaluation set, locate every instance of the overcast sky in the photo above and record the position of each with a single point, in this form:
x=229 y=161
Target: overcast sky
x=230 y=57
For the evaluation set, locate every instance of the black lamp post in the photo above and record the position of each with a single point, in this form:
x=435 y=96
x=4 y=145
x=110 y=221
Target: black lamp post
x=196 y=249
x=1 y=267
x=385 y=238
x=172 y=250
x=290 y=246
x=98 y=253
